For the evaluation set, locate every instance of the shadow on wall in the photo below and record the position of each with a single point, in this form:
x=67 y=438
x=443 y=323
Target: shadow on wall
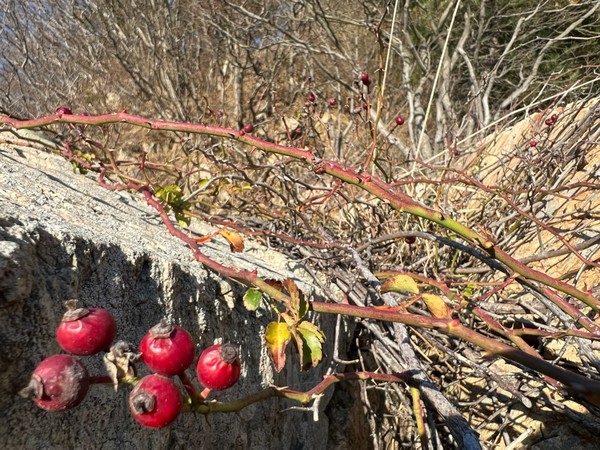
x=46 y=260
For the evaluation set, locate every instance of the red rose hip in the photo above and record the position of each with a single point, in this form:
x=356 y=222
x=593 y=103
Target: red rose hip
x=218 y=367
x=58 y=383
x=85 y=331
x=167 y=349
x=155 y=401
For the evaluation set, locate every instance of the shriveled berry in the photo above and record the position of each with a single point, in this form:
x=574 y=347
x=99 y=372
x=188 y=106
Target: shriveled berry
x=248 y=128
x=551 y=120
x=59 y=382
x=332 y=101
x=533 y=144
x=399 y=120
x=218 y=367
x=85 y=331
x=155 y=401
x=167 y=349
x=410 y=240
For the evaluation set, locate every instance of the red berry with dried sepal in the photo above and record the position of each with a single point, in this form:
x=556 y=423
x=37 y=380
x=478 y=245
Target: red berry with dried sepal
x=533 y=144
x=311 y=97
x=155 y=401
x=85 y=331
x=58 y=383
x=218 y=367
x=167 y=349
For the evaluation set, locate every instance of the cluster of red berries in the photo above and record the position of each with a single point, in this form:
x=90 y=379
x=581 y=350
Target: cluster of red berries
x=62 y=381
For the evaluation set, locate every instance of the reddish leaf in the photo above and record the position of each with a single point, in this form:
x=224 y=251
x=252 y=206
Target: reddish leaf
x=235 y=240
x=207 y=238
x=275 y=284
x=298 y=305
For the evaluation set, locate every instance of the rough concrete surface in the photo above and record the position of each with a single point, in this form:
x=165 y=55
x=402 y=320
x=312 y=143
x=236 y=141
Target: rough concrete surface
x=62 y=236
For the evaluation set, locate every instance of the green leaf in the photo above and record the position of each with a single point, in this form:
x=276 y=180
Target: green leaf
x=400 y=283
x=183 y=220
x=469 y=290
x=170 y=195
x=252 y=299
x=312 y=340
x=277 y=337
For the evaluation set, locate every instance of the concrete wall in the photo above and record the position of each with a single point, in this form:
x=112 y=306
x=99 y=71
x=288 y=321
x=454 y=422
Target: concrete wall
x=63 y=236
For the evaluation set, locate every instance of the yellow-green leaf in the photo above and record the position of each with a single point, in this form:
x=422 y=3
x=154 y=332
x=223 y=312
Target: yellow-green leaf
x=252 y=299
x=277 y=337
x=400 y=283
x=436 y=305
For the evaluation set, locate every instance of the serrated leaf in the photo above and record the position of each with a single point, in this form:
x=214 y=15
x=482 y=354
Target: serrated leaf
x=298 y=305
x=277 y=337
x=436 y=306
x=235 y=240
x=252 y=299
x=170 y=195
x=312 y=340
x=299 y=345
x=400 y=283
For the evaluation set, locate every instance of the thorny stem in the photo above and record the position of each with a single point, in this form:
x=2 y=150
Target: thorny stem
x=299 y=396
x=400 y=201
x=380 y=189
x=577 y=384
